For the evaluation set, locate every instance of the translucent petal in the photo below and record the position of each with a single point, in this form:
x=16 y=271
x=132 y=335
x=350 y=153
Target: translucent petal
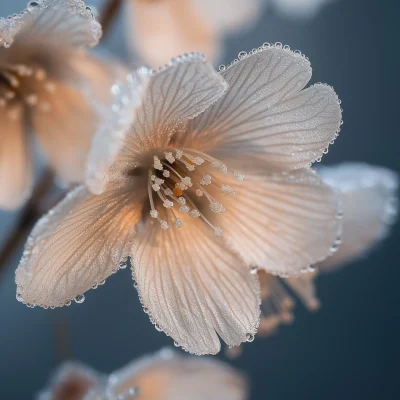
x=111 y=134
x=280 y=222
x=194 y=288
x=266 y=117
x=71 y=381
x=15 y=159
x=65 y=130
x=174 y=95
x=160 y=29
x=370 y=203
x=76 y=245
x=171 y=376
x=65 y=23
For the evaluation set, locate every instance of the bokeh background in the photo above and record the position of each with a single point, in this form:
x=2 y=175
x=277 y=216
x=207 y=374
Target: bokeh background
x=350 y=348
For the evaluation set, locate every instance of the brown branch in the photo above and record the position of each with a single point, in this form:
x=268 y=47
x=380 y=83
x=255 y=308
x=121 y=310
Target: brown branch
x=109 y=14
x=27 y=218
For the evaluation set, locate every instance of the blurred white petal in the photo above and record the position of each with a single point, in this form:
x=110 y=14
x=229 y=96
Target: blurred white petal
x=71 y=381
x=194 y=288
x=228 y=16
x=64 y=130
x=266 y=118
x=161 y=29
x=369 y=195
x=15 y=160
x=76 y=245
x=171 y=376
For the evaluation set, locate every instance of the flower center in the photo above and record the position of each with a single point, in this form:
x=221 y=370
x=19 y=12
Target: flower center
x=20 y=83
x=177 y=180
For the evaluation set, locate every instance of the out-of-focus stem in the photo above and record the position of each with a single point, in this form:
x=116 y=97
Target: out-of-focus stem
x=27 y=218
x=108 y=15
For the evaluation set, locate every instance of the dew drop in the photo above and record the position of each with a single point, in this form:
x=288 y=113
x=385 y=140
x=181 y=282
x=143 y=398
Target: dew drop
x=242 y=54
x=176 y=344
x=253 y=271
x=249 y=338
x=6 y=45
x=222 y=68
x=19 y=297
x=79 y=299
x=32 y=5
x=158 y=327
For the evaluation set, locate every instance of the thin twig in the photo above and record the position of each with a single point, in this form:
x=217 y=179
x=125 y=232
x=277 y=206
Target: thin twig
x=27 y=218
x=108 y=15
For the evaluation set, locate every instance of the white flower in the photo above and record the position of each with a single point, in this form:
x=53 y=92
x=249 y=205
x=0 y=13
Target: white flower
x=45 y=80
x=369 y=202
x=163 y=376
x=255 y=117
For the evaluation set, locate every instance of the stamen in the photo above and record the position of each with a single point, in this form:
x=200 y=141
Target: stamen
x=173 y=188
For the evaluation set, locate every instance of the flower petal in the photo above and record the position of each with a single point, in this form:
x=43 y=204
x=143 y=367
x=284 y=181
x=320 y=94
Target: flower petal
x=111 y=134
x=65 y=130
x=15 y=160
x=265 y=116
x=281 y=222
x=61 y=23
x=174 y=95
x=163 y=28
x=171 y=376
x=72 y=381
x=76 y=245
x=193 y=287
x=369 y=197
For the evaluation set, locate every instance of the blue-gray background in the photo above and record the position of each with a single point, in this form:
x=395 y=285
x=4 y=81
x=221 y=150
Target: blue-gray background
x=350 y=348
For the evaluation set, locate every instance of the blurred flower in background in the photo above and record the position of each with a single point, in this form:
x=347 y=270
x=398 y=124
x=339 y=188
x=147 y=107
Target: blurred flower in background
x=163 y=187
x=160 y=29
x=49 y=87
x=166 y=375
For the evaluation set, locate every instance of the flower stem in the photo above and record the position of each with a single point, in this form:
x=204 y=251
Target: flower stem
x=108 y=15
x=27 y=218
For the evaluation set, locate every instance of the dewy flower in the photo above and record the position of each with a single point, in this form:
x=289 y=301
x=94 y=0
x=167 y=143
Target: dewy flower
x=44 y=77
x=160 y=29
x=369 y=202
x=163 y=376
x=166 y=186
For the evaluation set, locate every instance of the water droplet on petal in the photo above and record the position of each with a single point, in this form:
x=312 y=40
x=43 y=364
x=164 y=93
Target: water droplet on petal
x=222 y=68
x=6 y=45
x=249 y=338
x=79 y=299
x=19 y=297
x=32 y=5
x=254 y=270
x=176 y=344
x=242 y=54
